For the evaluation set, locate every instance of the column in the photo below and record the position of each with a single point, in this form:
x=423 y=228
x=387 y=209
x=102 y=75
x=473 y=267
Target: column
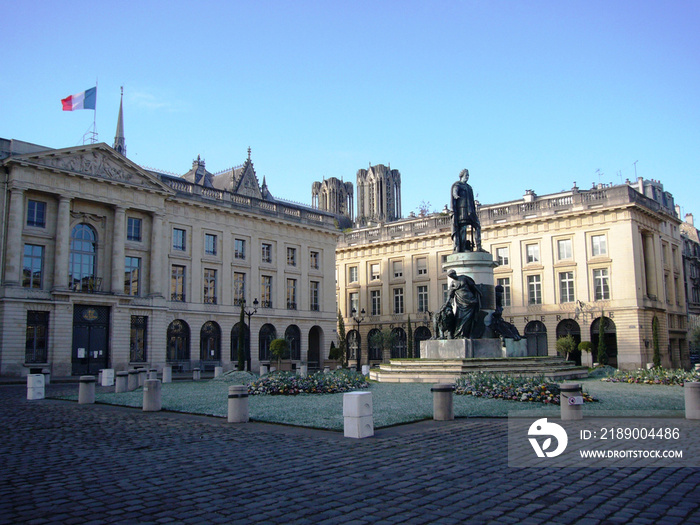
x=61 y=259
x=156 y=280
x=118 y=251
x=650 y=265
x=14 y=251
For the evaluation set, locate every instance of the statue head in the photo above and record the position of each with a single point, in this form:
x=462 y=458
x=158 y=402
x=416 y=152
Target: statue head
x=464 y=175
x=452 y=274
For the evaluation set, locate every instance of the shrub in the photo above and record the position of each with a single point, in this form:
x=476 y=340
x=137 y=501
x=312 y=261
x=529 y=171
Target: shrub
x=566 y=346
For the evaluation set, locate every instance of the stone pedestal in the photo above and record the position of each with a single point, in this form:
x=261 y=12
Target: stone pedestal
x=218 y=371
x=151 y=395
x=86 y=390
x=167 y=374
x=443 y=405
x=692 y=400
x=358 y=421
x=460 y=348
x=479 y=266
x=516 y=348
x=571 y=402
x=238 y=404
x=133 y=382
x=122 y=382
x=35 y=386
x=107 y=378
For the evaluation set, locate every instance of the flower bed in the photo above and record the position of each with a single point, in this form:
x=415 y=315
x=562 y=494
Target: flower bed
x=654 y=376
x=509 y=387
x=290 y=384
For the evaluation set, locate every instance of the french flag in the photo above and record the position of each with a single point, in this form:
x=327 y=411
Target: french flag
x=85 y=100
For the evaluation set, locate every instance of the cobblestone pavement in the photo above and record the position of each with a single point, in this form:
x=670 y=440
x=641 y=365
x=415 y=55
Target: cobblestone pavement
x=67 y=463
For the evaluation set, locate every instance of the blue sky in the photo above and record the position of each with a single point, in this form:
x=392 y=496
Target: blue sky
x=526 y=95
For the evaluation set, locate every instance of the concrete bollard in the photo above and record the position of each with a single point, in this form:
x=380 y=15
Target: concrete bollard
x=357 y=415
x=263 y=370
x=35 y=386
x=167 y=374
x=133 y=383
x=86 y=390
x=443 y=402
x=151 y=396
x=571 y=402
x=238 y=404
x=107 y=377
x=99 y=376
x=365 y=370
x=143 y=375
x=196 y=374
x=47 y=376
x=152 y=374
x=692 y=400
x=218 y=371
x=122 y=382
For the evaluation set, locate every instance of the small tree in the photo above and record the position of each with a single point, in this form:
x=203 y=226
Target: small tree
x=241 y=339
x=602 y=353
x=409 y=335
x=566 y=346
x=384 y=339
x=335 y=353
x=279 y=349
x=655 y=342
x=585 y=346
x=342 y=342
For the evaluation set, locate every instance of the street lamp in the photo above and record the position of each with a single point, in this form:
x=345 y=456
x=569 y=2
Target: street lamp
x=358 y=320
x=249 y=312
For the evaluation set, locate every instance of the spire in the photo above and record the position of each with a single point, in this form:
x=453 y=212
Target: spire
x=119 y=141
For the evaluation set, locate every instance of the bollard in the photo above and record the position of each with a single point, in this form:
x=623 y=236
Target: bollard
x=47 y=376
x=152 y=374
x=692 y=400
x=326 y=369
x=151 y=396
x=304 y=370
x=263 y=370
x=571 y=402
x=443 y=403
x=86 y=390
x=218 y=371
x=122 y=382
x=133 y=379
x=238 y=404
x=357 y=415
x=196 y=374
x=99 y=375
x=35 y=386
x=143 y=373
x=107 y=377
x=167 y=374
x=365 y=370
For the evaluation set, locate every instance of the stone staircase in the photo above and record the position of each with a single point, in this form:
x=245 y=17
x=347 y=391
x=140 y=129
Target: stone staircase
x=554 y=368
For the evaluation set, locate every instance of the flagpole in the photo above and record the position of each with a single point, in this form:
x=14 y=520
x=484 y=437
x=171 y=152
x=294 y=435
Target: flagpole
x=91 y=134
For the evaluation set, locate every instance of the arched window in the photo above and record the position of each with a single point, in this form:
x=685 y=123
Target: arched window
x=83 y=259
x=399 y=348
x=178 y=341
x=293 y=336
x=536 y=335
x=422 y=333
x=353 y=341
x=210 y=342
x=375 y=345
x=266 y=336
x=235 y=331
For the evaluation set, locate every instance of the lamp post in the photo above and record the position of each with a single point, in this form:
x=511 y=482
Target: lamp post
x=358 y=320
x=249 y=312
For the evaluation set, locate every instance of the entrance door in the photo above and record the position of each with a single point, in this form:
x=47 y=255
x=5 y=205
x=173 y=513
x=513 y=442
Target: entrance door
x=90 y=339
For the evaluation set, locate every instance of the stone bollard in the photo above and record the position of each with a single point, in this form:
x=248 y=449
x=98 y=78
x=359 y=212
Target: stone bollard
x=122 y=382
x=151 y=396
x=152 y=374
x=167 y=374
x=571 y=402
x=35 y=386
x=692 y=400
x=86 y=390
x=263 y=370
x=357 y=415
x=143 y=375
x=107 y=377
x=365 y=370
x=47 y=376
x=196 y=374
x=326 y=369
x=443 y=402
x=99 y=376
x=218 y=371
x=238 y=404
x=133 y=383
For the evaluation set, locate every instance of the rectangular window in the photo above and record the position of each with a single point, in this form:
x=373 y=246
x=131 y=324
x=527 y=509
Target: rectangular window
x=534 y=289
x=352 y=274
x=314 y=287
x=398 y=300
x=266 y=253
x=564 y=249
x=601 y=284
x=132 y=274
x=238 y=288
x=599 y=245
x=209 y=286
x=266 y=291
x=566 y=287
x=239 y=249
x=422 y=298
x=177 y=283
x=374 y=272
x=397 y=267
x=291 y=256
x=291 y=294
x=179 y=239
x=32 y=266
x=133 y=229
x=422 y=266
x=36 y=346
x=354 y=302
x=445 y=292
x=137 y=349
x=36 y=214
x=314 y=260
x=505 y=283
x=502 y=256
x=533 y=253
x=209 y=244
x=376 y=298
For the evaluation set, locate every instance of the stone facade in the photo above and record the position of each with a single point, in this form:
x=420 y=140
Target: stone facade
x=106 y=264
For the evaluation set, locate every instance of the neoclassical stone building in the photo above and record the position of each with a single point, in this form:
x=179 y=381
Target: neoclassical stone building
x=569 y=262
x=106 y=264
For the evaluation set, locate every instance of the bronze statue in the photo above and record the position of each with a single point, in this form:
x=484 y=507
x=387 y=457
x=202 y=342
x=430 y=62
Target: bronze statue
x=498 y=324
x=469 y=324
x=464 y=215
x=444 y=322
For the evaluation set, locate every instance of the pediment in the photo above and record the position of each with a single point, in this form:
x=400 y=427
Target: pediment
x=248 y=183
x=94 y=160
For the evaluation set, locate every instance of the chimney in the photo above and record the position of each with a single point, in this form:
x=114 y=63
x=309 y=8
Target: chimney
x=689 y=219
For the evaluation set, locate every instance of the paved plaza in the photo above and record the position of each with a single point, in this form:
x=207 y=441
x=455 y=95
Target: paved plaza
x=69 y=463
